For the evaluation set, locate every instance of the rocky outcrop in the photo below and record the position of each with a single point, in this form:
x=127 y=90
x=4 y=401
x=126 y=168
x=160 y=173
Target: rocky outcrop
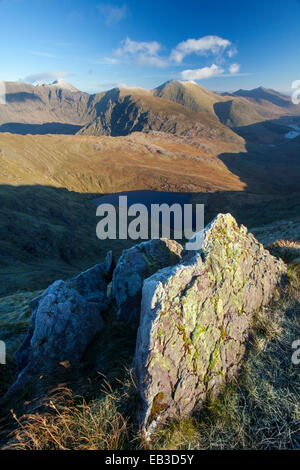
x=195 y=320
x=194 y=308
x=135 y=265
x=65 y=319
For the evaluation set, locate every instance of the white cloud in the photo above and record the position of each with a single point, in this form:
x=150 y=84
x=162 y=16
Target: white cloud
x=46 y=76
x=150 y=53
x=105 y=61
x=144 y=53
x=202 y=46
x=234 y=68
x=132 y=47
x=112 y=13
x=130 y=87
x=111 y=85
x=231 y=52
x=43 y=54
x=205 y=72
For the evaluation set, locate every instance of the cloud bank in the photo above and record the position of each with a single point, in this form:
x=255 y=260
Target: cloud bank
x=46 y=76
x=144 y=53
x=203 y=46
x=204 y=72
x=149 y=53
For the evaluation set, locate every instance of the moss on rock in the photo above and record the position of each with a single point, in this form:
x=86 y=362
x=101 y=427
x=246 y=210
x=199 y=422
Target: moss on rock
x=195 y=318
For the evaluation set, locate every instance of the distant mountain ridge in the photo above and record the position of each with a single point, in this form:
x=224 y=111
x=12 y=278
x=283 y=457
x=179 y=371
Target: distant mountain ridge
x=262 y=94
x=123 y=111
x=231 y=111
x=183 y=108
x=44 y=103
x=240 y=108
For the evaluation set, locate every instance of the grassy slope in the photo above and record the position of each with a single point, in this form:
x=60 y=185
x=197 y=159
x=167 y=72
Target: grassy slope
x=189 y=94
x=236 y=113
x=47 y=224
x=48 y=232
x=106 y=164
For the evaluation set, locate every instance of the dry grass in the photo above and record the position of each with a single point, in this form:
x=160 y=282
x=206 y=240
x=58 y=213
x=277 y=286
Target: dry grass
x=288 y=250
x=113 y=164
x=94 y=426
x=65 y=422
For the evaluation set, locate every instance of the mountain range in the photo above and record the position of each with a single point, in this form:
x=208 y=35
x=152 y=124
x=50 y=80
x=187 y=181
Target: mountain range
x=182 y=108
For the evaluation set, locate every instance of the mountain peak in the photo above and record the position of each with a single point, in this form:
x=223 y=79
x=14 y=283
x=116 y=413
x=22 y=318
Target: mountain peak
x=262 y=88
x=62 y=84
x=177 y=82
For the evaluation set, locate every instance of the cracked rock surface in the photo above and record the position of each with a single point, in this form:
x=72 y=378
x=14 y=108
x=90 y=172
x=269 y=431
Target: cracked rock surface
x=195 y=319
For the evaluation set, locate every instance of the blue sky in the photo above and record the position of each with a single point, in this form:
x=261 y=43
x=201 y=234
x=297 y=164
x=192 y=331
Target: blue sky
x=95 y=45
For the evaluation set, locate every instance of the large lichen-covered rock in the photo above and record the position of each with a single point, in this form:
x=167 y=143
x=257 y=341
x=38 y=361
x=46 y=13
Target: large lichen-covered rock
x=195 y=320
x=65 y=318
x=135 y=265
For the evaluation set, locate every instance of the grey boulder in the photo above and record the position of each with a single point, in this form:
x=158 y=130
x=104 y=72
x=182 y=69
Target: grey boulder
x=195 y=320
x=65 y=319
x=135 y=265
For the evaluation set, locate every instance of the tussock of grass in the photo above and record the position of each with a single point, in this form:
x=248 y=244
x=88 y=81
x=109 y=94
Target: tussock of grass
x=65 y=422
x=178 y=434
x=94 y=426
x=288 y=250
x=293 y=275
x=14 y=322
